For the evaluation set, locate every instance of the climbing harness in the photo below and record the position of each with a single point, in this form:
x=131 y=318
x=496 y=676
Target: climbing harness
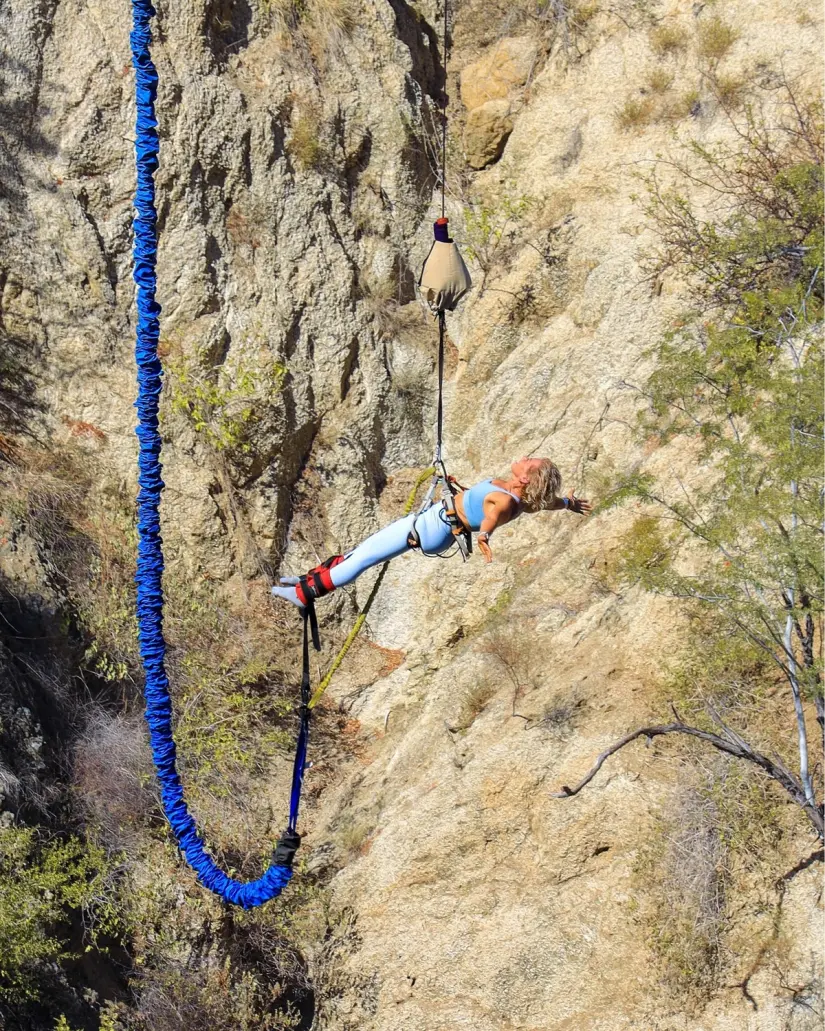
x=149 y=572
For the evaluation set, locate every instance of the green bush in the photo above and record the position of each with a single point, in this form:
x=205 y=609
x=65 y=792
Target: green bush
x=43 y=883
x=738 y=538
x=490 y=228
x=224 y=404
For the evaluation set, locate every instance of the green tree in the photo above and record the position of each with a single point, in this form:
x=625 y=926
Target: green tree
x=741 y=377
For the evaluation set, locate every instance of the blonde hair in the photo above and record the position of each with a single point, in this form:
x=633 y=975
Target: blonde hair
x=542 y=487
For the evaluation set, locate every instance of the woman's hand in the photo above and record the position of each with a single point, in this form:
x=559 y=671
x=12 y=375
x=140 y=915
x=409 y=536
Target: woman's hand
x=581 y=506
x=483 y=541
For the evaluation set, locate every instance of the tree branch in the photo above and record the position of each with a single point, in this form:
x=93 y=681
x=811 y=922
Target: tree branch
x=738 y=748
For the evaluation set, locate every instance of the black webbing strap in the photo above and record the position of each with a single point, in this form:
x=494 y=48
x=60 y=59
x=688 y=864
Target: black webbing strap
x=439 y=426
x=310 y=631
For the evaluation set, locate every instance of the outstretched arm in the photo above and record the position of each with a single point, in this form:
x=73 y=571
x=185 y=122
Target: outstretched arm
x=499 y=509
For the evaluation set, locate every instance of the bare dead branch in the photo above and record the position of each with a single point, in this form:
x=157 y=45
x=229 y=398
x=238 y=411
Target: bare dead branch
x=738 y=748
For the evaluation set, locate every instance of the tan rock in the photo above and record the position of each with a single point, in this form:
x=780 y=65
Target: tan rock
x=493 y=76
x=487 y=130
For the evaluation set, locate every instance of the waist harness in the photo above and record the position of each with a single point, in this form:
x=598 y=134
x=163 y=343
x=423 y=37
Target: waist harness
x=461 y=533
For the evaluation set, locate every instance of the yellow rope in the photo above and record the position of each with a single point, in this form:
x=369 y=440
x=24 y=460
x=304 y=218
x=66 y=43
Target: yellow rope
x=362 y=616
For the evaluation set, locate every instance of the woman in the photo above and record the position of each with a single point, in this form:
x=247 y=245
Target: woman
x=532 y=487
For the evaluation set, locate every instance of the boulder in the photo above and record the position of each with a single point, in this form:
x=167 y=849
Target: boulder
x=486 y=132
x=493 y=76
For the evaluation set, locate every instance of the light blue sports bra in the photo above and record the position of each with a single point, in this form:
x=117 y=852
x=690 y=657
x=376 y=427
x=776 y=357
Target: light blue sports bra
x=474 y=501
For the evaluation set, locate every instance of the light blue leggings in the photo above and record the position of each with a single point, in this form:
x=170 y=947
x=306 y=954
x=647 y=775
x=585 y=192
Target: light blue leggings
x=431 y=526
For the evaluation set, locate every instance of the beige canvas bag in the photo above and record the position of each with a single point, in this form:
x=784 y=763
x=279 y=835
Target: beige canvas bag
x=444 y=278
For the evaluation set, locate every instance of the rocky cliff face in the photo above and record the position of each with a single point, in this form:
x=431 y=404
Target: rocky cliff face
x=295 y=196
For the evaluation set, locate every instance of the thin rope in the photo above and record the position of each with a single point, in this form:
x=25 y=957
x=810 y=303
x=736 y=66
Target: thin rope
x=444 y=122
x=149 y=573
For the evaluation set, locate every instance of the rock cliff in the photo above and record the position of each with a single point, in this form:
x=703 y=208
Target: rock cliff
x=296 y=192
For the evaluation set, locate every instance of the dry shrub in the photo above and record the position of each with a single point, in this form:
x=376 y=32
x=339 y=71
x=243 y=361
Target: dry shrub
x=687 y=936
x=473 y=703
x=380 y=299
x=86 y=538
x=559 y=715
x=715 y=839
x=413 y=390
x=209 y=999
x=512 y=650
x=114 y=777
x=239 y=972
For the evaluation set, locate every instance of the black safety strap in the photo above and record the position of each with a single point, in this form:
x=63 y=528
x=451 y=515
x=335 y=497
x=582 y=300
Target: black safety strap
x=439 y=424
x=310 y=631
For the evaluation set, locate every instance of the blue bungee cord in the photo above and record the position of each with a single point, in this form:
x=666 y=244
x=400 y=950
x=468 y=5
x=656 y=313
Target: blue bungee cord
x=150 y=554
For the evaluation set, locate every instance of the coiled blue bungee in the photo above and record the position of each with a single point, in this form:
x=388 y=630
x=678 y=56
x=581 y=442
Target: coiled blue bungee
x=150 y=555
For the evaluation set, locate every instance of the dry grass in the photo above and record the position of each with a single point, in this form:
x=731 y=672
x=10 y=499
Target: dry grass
x=380 y=298
x=729 y=90
x=659 y=81
x=668 y=39
x=473 y=703
x=715 y=39
x=304 y=141
x=315 y=30
x=353 y=836
x=634 y=114
x=682 y=105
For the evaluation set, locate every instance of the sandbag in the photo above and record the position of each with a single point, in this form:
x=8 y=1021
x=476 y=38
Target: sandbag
x=444 y=278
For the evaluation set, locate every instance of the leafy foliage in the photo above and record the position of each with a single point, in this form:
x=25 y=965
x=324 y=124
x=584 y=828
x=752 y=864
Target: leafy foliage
x=42 y=884
x=740 y=376
x=490 y=229
x=224 y=404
